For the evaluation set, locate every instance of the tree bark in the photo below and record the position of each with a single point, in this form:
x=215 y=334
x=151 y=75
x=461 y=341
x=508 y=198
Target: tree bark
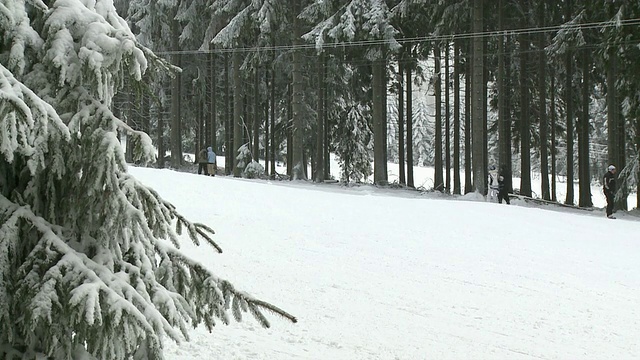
x=568 y=98
x=542 y=86
x=447 y=124
x=583 y=137
x=298 y=169
x=237 y=113
x=176 y=85
x=477 y=92
x=468 y=176
x=256 y=115
x=525 y=119
x=212 y=123
x=319 y=170
x=409 y=74
x=456 y=118
x=379 y=123
x=401 y=157
x=438 y=181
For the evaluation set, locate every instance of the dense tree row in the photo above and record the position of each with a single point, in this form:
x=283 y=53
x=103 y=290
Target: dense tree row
x=534 y=87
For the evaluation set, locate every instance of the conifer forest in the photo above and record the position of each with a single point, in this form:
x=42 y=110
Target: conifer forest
x=89 y=257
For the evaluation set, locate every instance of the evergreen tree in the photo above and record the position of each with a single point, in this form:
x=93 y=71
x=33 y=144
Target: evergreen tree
x=89 y=259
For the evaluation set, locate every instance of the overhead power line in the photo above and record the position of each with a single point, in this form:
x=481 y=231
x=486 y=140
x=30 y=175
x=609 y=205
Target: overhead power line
x=419 y=39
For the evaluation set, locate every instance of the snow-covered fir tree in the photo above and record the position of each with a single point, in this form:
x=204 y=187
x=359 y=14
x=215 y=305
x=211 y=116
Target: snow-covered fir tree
x=90 y=265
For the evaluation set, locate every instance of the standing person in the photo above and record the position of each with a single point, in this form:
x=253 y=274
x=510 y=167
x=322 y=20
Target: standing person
x=609 y=188
x=493 y=182
x=502 y=191
x=202 y=161
x=211 y=161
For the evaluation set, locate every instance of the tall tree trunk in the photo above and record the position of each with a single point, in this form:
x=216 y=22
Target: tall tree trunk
x=468 y=178
x=160 y=135
x=583 y=136
x=542 y=86
x=401 y=159
x=228 y=127
x=238 y=100
x=554 y=150
x=298 y=168
x=267 y=128
x=379 y=123
x=212 y=123
x=569 y=104
x=176 y=84
x=438 y=181
x=504 y=153
x=319 y=174
x=272 y=116
x=477 y=92
x=447 y=124
x=256 y=115
x=525 y=119
x=456 y=118
x=615 y=124
x=507 y=167
x=289 y=131
x=409 y=71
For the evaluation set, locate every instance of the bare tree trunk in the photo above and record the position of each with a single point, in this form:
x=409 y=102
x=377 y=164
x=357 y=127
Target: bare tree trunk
x=228 y=127
x=477 y=92
x=289 y=131
x=176 y=85
x=615 y=123
x=447 y=137
x=401 y=158
x=272 y=107
x=468 y=179
x=160 y=135
x=237 y=113
x=319 y=173
x=542 y=86
x=569 y=105
x=379 y=123
x=554 y=150
x=256 y=115
x=583 y=137
x=438 y=181
x=298 y=168
x=212 y=123
x=456 y=118
x=409 y=71
x=267 y=129
x=504 y=153
x=525 y=120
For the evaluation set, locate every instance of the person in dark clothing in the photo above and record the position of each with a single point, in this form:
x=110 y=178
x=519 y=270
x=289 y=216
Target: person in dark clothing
x=202 y=159
x=502 y=191
x=609 y=188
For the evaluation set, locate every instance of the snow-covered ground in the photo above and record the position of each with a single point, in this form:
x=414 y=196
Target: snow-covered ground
x=392 y=274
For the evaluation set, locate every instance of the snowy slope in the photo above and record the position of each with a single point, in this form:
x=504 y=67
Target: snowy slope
x=379 y=274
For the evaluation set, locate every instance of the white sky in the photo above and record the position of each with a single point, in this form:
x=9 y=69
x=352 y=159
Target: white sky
x=391 y=274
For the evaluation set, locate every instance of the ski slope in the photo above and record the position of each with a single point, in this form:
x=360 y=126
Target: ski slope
x=391 y=274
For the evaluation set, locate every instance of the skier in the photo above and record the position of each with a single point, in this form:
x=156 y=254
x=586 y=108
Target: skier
x=609 y=188
x=502 y=191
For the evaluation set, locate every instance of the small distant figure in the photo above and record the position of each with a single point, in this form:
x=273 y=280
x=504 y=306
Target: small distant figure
x=493 y=183
x=211 y=161
x=202 y=161
x=609 y=188
x=503 y=194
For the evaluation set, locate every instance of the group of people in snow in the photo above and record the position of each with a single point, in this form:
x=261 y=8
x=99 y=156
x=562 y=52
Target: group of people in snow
x=206 y=160
x=497 y=187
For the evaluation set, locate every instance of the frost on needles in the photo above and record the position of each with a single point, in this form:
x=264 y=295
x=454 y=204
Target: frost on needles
x=90 y=265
